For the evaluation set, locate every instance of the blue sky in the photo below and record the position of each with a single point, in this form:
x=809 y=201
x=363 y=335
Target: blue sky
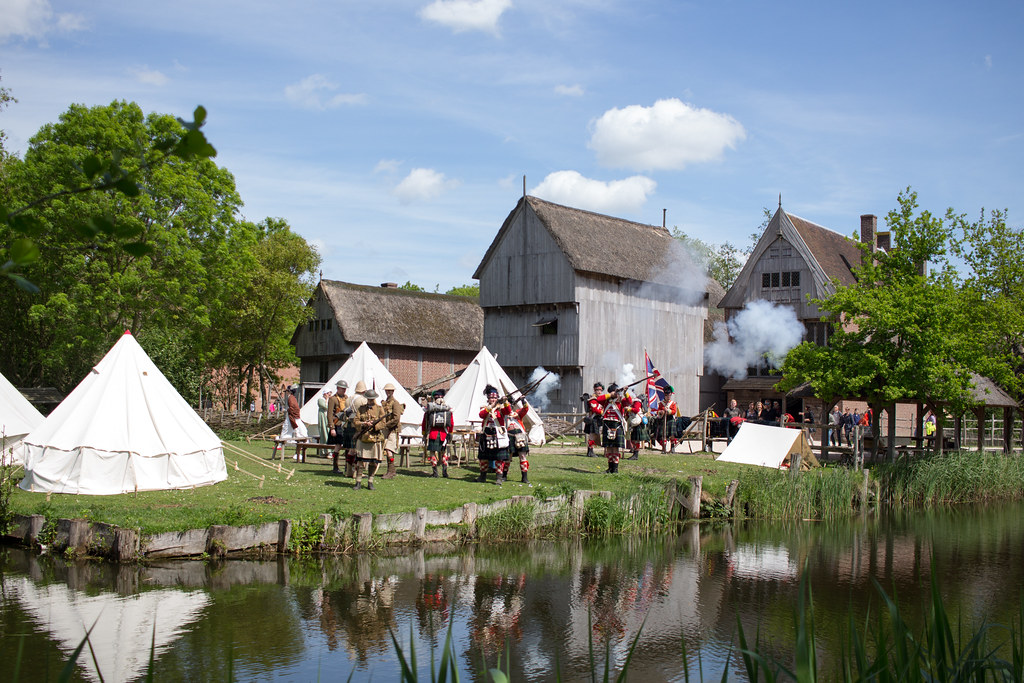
x=395 y=134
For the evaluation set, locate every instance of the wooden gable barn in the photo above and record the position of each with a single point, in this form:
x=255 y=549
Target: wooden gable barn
x=418 y=336
x=584 y=294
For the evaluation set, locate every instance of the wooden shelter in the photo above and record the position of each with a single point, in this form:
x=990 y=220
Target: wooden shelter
x=583 y=295
x=418 y=336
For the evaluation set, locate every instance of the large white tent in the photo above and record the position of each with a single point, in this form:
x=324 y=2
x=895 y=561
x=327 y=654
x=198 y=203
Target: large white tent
x=125 y=628
x=466 y=396
x=364 y=365
x=767 y=446
x=18 y=417
x=124 y=428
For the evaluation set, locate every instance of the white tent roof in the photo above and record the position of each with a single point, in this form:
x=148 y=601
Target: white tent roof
x=763 y=445
x=124 y=428
x=18 y=417
x=124 y=625
x=466 y=396
x=364 y=365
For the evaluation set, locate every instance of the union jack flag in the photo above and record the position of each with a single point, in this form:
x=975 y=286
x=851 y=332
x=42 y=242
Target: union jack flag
x=656 y=385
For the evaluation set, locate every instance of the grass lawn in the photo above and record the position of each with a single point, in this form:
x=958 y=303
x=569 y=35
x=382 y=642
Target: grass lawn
x=314 y=489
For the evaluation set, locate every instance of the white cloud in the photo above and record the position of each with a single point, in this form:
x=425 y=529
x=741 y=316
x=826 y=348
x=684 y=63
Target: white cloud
x=988 y=61
x=312 y=93
x=572 y=189
x=149 y=76
x=422 y=184
x=34 y=19
x=668 y=135
x=569 y=90
x=466 y=15
x=387 y=166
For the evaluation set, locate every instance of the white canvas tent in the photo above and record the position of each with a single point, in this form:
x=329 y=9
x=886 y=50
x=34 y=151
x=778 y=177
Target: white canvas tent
x=124 y=428
x=466 y=396
x=364 y=365
x=767 y=446
x=18 y=417
x=126 y=627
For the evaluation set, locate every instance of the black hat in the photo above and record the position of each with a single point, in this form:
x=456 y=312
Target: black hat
x=599 y=384
x=613 y=387
x=490 y=389
x=438 y=392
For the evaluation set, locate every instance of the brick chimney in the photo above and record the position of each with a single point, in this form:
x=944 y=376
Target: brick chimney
x=868 y=227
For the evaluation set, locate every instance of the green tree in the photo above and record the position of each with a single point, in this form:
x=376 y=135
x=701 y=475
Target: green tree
x=897 y=333
x=466 y=290
x=411 y=287
x=253 y=329
x=115 y=256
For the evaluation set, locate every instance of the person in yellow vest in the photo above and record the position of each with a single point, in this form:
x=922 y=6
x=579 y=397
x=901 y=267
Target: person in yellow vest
x=392 y=425
x=370 y=439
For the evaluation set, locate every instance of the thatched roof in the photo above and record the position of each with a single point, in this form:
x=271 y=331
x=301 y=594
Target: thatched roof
x=597 y=244
x=991 y=394
x=388 y=315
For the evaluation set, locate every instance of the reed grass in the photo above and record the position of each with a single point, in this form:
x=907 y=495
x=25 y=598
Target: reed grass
x=952 y=478
x=512 y=522
x=826 y=493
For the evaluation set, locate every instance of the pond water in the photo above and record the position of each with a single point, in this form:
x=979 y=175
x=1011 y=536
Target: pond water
x=329 y=618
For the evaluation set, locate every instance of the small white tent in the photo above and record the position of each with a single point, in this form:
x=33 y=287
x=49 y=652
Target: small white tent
x=18 y=417
x=364 y=365
x=124 y=428
x=767 y=446
x=466 y=396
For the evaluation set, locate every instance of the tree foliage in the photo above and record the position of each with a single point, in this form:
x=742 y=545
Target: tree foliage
x=898 y=332
x=133 y=226
x=723 y=261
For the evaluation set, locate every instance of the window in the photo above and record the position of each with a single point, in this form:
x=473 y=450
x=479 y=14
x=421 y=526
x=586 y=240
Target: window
x=766 y=280
x=547 y=325
x=790 y=278
x=775 y=279
x=785 y=279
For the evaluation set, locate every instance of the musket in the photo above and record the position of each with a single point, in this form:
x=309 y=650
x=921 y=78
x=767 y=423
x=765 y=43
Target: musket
x=370 y=426
x=525 y=390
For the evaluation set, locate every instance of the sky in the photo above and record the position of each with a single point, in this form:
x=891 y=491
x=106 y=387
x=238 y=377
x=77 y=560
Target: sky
x=395 y=135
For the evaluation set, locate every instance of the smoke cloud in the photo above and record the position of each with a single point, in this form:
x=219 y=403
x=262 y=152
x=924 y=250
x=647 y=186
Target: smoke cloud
x=761 y=330
x=539 y=397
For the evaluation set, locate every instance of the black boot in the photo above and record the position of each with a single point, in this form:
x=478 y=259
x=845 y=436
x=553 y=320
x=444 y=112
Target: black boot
x=444 y=471
x=482 y=477
x=590 y=452
x=609 y=470
x=434 y=475
x=526 y=479
x=635 y=456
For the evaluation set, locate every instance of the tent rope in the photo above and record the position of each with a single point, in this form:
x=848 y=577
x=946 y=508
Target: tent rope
x=255 y=458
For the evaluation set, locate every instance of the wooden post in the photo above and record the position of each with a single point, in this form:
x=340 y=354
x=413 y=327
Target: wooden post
x=364 y=527
x=419 y=529
x=864 y=492
x=693 y=505
x=284 y=535
x=469 y=513
x=730 y=493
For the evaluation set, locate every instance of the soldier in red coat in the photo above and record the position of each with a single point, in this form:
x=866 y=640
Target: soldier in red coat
x=518 y=438
x=617 y=411
x=494 y=440
x=438 y=425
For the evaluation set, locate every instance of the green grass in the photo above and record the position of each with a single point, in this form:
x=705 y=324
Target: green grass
x=959 y=477
x=314 y=490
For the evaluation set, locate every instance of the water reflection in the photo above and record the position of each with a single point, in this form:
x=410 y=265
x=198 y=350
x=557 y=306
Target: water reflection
x=547 y=602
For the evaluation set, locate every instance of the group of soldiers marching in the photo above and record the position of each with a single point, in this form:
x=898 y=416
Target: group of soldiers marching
x=617 y=418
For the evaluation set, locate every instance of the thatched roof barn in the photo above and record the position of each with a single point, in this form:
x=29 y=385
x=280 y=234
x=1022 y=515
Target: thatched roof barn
x=417 y=335
x=584 y=294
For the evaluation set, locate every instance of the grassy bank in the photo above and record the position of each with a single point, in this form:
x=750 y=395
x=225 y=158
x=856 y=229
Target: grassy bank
x=637 y=505
x=314 y=490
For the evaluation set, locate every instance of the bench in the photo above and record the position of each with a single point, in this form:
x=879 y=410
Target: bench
x=301 y=446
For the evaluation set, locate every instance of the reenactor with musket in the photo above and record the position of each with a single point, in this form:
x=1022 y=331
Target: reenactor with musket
x=494 y=441
x=518 y=438
x=351 y=410
x=337 y=422
x=592 y=422
x=665 y=421
x=618 y=411
x=438 y=425
x=392 y=426
x=369 y=439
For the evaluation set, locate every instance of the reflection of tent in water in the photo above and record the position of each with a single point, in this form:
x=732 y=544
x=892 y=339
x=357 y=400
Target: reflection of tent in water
x=768 y=446
x=123 y=635
x=760 y=563
x=466 y=396
x=364 y=365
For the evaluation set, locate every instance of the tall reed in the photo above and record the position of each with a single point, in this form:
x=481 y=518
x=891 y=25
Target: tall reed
x=957 y=477
x=827 y=493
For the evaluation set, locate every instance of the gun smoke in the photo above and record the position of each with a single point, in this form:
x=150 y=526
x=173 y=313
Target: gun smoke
x=761 y=331
x=539 y=397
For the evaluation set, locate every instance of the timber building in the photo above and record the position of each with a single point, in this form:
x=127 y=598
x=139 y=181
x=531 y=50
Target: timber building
x=583 y=295
x=794 y=261
x=418 y=336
